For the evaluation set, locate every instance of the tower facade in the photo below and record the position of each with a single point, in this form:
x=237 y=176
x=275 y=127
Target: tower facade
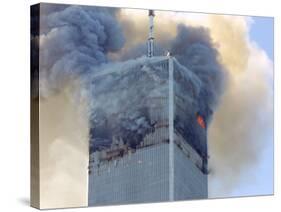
x=147 y=139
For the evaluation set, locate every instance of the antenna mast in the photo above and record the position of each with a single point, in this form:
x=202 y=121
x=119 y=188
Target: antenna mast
x=150 y=40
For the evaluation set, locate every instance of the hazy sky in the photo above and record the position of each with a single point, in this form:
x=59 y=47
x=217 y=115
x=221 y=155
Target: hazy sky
x=262 y=32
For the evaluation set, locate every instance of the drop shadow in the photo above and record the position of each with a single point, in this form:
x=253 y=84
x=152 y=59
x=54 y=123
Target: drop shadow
x=24 y=201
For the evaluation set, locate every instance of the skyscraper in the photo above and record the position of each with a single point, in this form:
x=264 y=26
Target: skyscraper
x=147 y=139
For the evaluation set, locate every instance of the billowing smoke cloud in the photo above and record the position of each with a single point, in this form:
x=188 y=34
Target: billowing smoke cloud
x=194 y=49
x=63 y=150
x=73 y=41
x=242 y=129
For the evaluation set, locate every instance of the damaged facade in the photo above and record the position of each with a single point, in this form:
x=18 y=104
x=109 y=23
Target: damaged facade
x=148 y=139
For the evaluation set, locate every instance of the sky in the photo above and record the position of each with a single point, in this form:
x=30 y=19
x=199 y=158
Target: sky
x=261 y=31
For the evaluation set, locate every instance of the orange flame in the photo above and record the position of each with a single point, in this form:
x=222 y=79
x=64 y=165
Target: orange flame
x=201 y=121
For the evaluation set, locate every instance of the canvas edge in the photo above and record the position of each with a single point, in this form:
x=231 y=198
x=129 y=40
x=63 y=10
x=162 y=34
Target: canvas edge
x=34 y=114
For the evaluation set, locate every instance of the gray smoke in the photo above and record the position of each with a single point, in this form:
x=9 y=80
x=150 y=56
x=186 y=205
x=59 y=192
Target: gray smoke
x=74 y=40
x=121 y=102
x=194 y=49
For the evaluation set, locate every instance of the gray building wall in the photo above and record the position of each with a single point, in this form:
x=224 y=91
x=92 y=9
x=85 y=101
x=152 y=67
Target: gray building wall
x=143 y=177
x=189 y=181
x=137 y=178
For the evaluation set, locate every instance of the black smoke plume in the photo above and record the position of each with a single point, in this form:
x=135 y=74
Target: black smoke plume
x=194 y=49
x=73 y=41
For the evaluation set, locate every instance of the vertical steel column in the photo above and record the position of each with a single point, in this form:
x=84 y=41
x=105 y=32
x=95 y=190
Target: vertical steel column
x=171 y=129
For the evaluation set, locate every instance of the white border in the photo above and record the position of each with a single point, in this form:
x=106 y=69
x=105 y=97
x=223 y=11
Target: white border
x=14 y=161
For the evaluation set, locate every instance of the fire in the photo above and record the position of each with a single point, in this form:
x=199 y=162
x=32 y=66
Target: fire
x=201 y=121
